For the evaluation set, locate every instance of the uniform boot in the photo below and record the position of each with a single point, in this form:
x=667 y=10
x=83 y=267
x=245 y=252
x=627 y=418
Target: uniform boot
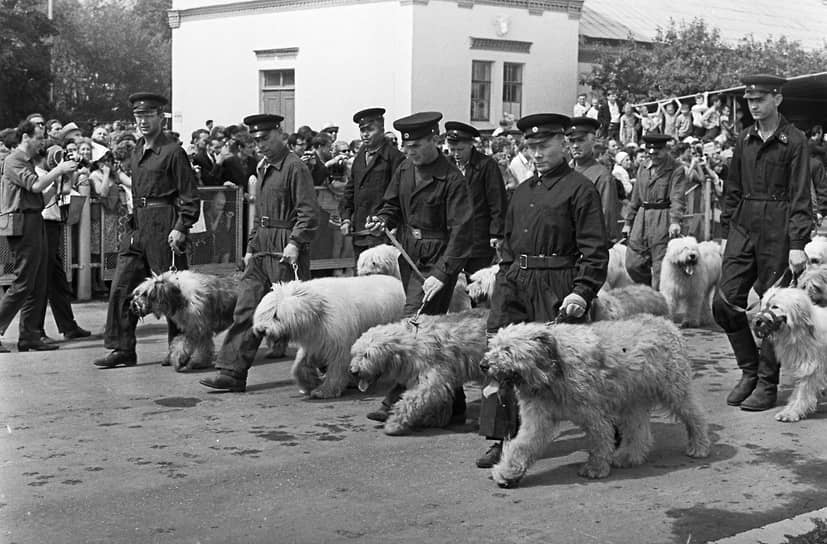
x=766 y=391
x=746 y=355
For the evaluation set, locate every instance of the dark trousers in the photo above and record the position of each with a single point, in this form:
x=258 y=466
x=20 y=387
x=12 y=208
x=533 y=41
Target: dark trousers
x=132 y=268
x=59 y=293
x=644 y=267
x=27 y=293
x=240 y=344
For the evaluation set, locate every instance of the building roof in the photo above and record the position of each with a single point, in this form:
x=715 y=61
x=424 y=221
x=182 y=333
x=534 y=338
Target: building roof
x=804 y=22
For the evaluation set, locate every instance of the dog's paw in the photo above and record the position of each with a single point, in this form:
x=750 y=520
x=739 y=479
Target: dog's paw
x=505 y=477
x=787 y=416
x=623 y=459
x=698 y=451
x=595 y=471
x=393 y=428
x=323 y=392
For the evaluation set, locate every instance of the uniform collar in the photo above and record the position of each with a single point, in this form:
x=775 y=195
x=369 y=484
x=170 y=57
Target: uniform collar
x=159 y=142
x=555 y=174
x=438 y=169
x=780 y=134
x=276 y=163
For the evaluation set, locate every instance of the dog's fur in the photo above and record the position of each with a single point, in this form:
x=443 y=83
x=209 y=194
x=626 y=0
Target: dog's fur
x=800 y=343
x=614 y=304
x=814 y=281
x=324 y=317
x=616 y=274
x=816 y=250
x=481 y=287
x=598 y=376
x=431 y=362
x=688 y=277
x=201 y=305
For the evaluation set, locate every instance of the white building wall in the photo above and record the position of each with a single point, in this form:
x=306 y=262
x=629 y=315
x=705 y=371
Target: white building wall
x=349 y=57
x=442 y=58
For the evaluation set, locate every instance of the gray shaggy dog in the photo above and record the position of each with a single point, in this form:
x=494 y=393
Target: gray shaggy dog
x=431 y=361
x=627 y=301
x=814 y=281
x=598 y=376
x=201 y=305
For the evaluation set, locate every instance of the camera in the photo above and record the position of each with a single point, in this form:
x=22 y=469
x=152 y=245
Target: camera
x=74 y=156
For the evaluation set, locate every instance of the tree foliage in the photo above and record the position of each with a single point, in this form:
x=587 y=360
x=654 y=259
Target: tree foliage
x=691 y=57
x=106 y=50
x=25 y=78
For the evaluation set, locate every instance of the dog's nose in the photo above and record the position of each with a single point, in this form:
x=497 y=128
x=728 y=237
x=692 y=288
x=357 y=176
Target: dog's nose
x=484 y=366
x=693 y=258
x=354 y=374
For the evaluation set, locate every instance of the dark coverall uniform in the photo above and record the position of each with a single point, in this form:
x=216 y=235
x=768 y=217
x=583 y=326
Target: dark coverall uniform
x=164 y=199
x=555 y=244
x=365 y=189
x=488 y=202
x=766 y=212
x=27 y=293
x=606 y=187
x=659 y=192
x=286 y=211
x=430 y=207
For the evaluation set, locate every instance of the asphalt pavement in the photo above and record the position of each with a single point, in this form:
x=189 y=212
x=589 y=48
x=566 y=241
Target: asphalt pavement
x=145 y=454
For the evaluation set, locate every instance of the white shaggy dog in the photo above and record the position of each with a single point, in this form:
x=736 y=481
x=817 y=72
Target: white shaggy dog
x=688 y=277
x=324 y=317
x=598 y=376
x=384 y=259
x=798 y=329
x=627 y=301
x=481 y=287
x=201 y=305
x=814 y=281
x=816 y=250
x=431 y=360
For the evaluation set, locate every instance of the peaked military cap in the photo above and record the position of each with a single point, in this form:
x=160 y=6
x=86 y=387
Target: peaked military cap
x=368 y=115
x=418 y=125
x=583 y=125
x=456 y=131
x=543 y=125
x=760 y=84
x=144 y=102
x=656 y=141
x=261 y=122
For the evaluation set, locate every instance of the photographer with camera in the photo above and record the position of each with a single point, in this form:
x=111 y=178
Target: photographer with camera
x=21 y=204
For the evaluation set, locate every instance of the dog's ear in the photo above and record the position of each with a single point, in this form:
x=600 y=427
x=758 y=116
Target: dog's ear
x=549 y=345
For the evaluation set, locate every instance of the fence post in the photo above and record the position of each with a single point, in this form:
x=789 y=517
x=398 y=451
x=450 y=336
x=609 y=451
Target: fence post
x=84 y=290
x=707 y=204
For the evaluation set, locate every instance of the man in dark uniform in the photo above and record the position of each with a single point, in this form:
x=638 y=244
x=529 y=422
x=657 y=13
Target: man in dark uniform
x=581 y=143
x=660 y=192
x=21 y=192
x=486 y=189
x=165 y=201
x=766 y=218
x=427 y=202
x=370 y=175
x=554 y=256
x=287 y=216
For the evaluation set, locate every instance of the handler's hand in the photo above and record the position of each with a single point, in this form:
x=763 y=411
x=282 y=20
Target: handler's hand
x=247 y=257
x=345 y=227
x=431 y=286
x=176 y=241
x=573 y=305
x=495 y=243
x=674 y=230
x=291 y=253
x=374 y=223
x=798 y=260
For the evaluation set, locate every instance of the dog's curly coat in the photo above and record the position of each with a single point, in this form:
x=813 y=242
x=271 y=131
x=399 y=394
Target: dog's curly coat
x=434 y=359
x=688 y=277
x=814 y=281
x=597 y=376
x=623 y=302
x=324 y=317
x=800 y=342
x=201 y=305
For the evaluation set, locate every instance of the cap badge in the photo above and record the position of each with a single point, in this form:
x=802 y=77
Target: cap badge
x=406 y=135
x=535 y=129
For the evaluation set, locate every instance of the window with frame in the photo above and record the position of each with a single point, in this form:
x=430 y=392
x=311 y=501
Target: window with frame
x=513 y=89
x=481 y=90
x=278 y=79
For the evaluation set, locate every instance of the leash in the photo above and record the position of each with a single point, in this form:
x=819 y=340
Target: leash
x=405 y=255
x=172 y=267
x=788 y=274
x=280 y=256
x=417 y=319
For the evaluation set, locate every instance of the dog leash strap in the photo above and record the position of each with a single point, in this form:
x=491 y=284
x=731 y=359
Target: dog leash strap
x=405 y=255
x=788 y=279
x=172 y=267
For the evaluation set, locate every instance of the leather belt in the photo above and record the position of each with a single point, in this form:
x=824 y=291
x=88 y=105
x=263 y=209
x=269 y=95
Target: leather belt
x=422 y=234
x=267 y=223
x=780 y=198
x=659 y=205
x=153 y=202
x=527 y=262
